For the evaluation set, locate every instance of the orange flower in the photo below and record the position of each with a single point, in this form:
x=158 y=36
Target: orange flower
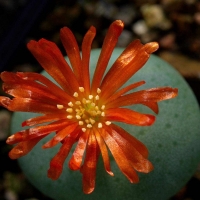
x=84 y=112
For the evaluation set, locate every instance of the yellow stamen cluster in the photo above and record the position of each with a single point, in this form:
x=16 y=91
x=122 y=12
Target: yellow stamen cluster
x=87 y=110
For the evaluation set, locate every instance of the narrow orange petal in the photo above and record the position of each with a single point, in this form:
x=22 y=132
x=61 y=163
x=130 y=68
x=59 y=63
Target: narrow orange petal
x=124 y=90
x=134 y=155
x=45 y=81
x=35 y=132
x=148 y=95
x=129 y=117
x=5 y=101
x=45 y=118
x=151 y=47
x=152 y=105
x=51 y=59
x=26 y=90
x=89 y=166
x=120 y=157
x=104 y=152
x=23 y=148
x=28 y=105
x=56 y=164
x=19 y=137
x=109 y=44
x=86 y=48
x=77 y=157
x=9 y=77
x=61 y=135
x=128 y=63
x=139 y=146
x=71 y=47
x=16 y=85
x=52 y=127
x=123 y=62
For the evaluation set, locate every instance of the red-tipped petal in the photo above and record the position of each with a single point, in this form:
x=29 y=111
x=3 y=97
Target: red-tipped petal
x=45 y=81
x=19 y=137
x=56 y=164
x=35 y=132
x=125 y=64
x=129 y=62
x=139 y=146
x=61 y=135
x=151 y=47
x=71 y=47
x=86 y=48
x=77 y=157
x=46 y=118
x=131 y=150
x=109 y=44
x=5 y=101
x=120 y=157
x=27 y=85
x=148 y=95
x=104 y=152
x=51 y=59
x=23 y=148
x=152 y=105
x=129 y=117
x=27 y=90
x=124 y=90
x=28 y=105
x=9 y=77
x=89 y=167
x=53 y=127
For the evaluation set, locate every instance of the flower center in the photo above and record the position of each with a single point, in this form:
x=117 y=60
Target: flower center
x=88 y=111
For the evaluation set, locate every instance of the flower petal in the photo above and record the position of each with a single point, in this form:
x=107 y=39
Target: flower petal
x=86 y=48
x=109 y=44
x=139 y=146
x=128 y=63
x=23 y=148
x=77 y=156
x=90 y=163
x=27 y=105
x=71 y=47
x=132 y=152
x=24 y=90
x=56 y=164
x=19 y=85
x=35 y=132
x=104 y=152
x=148 y=95
x=45 y=81
x=124 y=90
x=4 y=101
x=16 y=86
x=51 y=59
x=152 y=105
x=61 y=135
x=120 y=157
x=52 y=127
x=45 y=118
x=151 y=47
x=129 y=117
x=19 y=137
x=9 y=77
